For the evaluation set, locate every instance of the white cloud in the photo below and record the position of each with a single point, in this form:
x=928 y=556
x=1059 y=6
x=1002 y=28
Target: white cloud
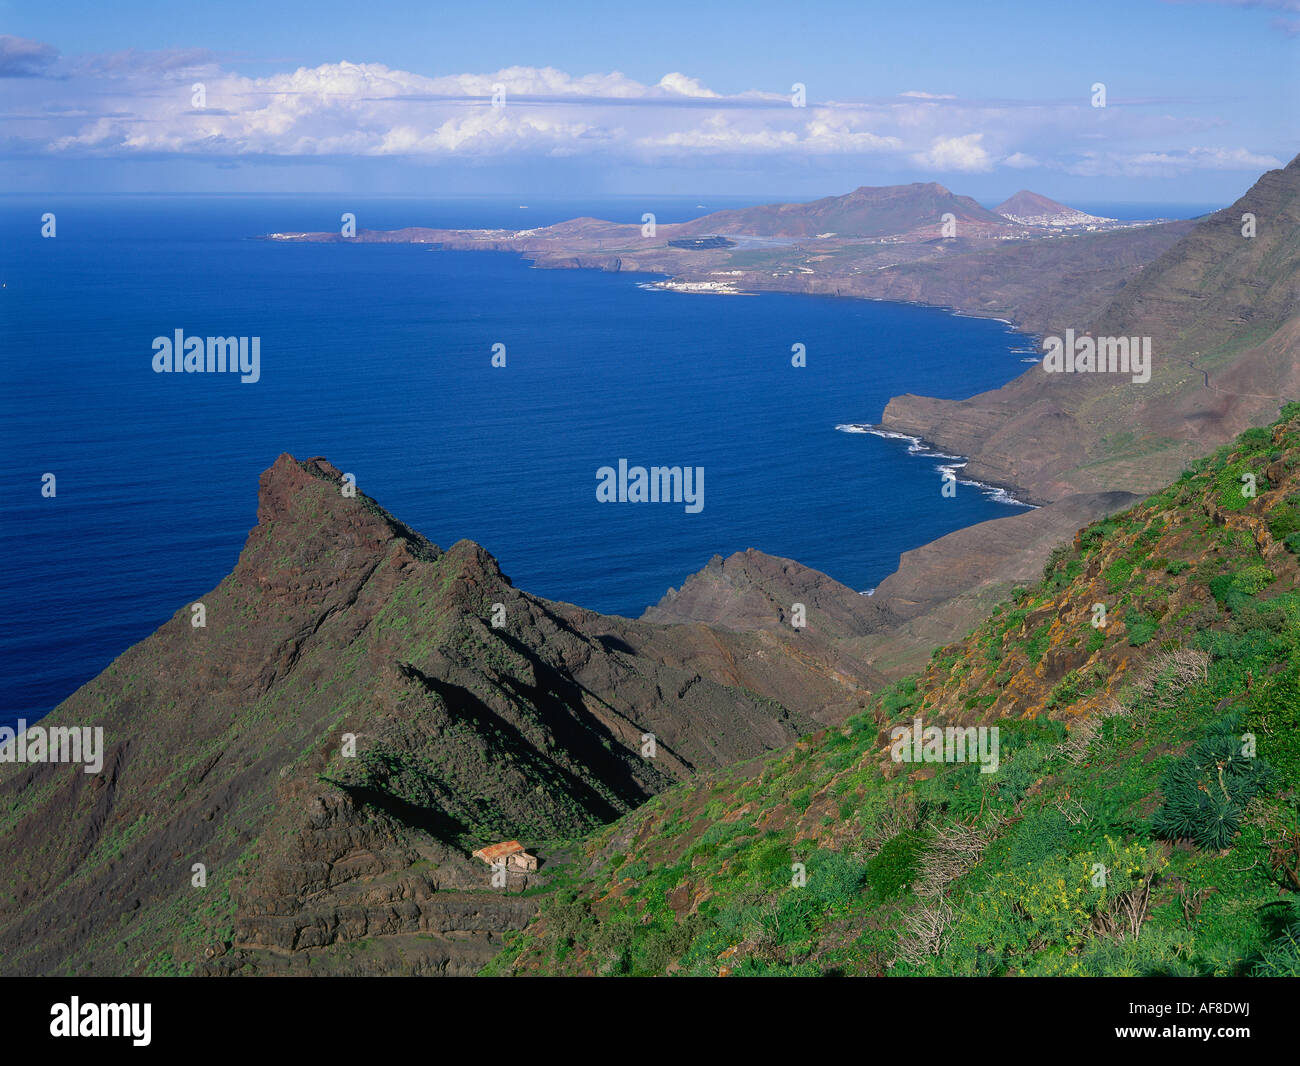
x=964 y=154
x=1170 y=163
x=133 y=104
x=1021 y=161
x=684 y=86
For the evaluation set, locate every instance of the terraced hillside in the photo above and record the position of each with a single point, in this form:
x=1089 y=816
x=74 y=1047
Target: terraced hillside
x=1142 y=817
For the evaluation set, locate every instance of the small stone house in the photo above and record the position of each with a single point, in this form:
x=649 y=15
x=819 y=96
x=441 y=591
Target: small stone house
x=516 y=858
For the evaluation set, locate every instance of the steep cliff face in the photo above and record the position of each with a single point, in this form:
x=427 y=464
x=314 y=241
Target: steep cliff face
x=359 y=710
x=1222 y=310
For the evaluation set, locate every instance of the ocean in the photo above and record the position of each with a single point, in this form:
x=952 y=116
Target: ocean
x=378 y=357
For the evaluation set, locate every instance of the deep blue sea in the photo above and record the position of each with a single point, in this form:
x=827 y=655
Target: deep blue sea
x=378 y=357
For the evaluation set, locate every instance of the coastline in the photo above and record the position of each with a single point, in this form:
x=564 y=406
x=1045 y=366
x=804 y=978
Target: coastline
x=923 y=449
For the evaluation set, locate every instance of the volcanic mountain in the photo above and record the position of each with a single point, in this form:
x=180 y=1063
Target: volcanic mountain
x=1031 y=209
x=297 y=786
x=870 y=211
x=360 y=711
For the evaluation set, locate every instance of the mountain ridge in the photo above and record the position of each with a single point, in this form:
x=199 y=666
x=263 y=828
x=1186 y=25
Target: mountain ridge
x=226 y=745
x=867 y=211
x=1216 y=301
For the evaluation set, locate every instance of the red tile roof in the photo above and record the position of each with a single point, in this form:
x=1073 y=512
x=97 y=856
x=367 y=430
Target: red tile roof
x=498 y=851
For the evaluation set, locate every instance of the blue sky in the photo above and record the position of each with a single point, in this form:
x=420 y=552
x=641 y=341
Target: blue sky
x=671 y=97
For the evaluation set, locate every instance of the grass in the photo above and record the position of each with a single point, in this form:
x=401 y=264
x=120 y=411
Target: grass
x=1065 y=861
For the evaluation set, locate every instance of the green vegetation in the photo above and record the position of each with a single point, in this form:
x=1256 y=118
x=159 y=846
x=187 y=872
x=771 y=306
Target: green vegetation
x=1144 y=818
x=1207 y=790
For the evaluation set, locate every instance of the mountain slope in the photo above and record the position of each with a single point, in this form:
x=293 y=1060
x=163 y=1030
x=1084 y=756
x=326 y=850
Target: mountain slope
x=869 y=211
x=1141 y=818
x=1222 y=311
x=225 y=746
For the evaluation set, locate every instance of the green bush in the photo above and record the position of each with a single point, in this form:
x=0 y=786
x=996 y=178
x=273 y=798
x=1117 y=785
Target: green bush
x=1118 y=575
x=1281 y=956
x=1042 y=833
x=1283 y=521
x=1275 y=719
x=1036 y=643
x=1233 y=591
x=1055 y=558
x=1141 y=627
x=893 y=868
x=834 y=878
x=1207 y=789
x=899 y=696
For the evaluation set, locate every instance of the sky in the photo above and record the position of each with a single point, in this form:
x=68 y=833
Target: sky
x=753 y=99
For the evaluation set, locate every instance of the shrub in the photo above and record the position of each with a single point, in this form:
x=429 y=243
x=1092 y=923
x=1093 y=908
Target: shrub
x=1233 y=591
x=1275 y=717
x=1039 y=835
x=1207 y=790
x=1117 y=575
x=894 y=866
x=1017 y=774
x=1141 y=627
x=1281 y=956
x=1253 y=579
x=1036 y=644
x=1283 y=521
x=1055 y=558
x=1230 y=487
x=1076 y=683
x=1040 y=915
x=899 y=696
x=834 y=878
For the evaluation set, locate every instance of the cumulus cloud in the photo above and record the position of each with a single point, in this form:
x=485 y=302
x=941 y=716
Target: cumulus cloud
x=368 y=109
x=23 y=58
x=684 y=86
x=143 y=104
x=964 y=154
